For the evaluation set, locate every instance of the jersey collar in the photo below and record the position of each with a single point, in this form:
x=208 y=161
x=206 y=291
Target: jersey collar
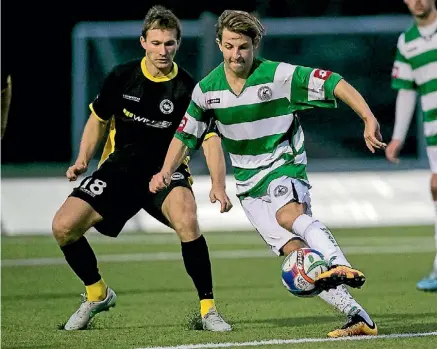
x=164 y=78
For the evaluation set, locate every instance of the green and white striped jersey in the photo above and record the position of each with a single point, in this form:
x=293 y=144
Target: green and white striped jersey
x=415 y=68
x=259 y=127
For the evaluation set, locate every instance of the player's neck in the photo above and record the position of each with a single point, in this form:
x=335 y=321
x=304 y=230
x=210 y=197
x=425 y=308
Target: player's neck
x=423 y=22
x=236 y=81
x=156 y=72
x=231 y=75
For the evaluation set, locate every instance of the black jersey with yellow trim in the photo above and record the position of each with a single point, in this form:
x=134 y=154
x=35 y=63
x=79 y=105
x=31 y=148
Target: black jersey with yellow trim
x=144 y=111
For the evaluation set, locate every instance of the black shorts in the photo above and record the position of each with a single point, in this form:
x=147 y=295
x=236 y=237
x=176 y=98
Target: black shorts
x=118 y=193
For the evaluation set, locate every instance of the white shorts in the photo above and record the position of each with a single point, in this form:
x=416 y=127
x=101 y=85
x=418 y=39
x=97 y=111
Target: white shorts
x=261 y=211
x=432 y=157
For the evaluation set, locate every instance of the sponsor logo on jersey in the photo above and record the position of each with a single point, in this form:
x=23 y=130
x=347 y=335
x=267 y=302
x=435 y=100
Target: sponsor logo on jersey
x=395 y=72
x=131 y=98
x=322 y=74
x=265 y=93
x=177 y=176
x=213 y=101
x=166 y=106
x=182 y=124
x=148 y=122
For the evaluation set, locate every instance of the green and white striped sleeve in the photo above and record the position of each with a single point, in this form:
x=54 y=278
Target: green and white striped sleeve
x=313 y=88
x=194 y=124
x=402 y=73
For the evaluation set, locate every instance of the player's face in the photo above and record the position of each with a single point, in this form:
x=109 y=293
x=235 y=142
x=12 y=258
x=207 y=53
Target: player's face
x=420 y=8
x=238 y=51
x=161 y=46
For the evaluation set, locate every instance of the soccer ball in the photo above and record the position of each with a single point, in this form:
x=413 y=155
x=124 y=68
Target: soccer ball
x=299 y=270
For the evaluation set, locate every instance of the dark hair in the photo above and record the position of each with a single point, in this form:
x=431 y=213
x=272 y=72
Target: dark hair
x=158 y=17
x=240 y=22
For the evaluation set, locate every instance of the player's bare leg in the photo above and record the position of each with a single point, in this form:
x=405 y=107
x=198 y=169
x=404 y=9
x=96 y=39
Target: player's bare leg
x=180 y=209
x=69 y=225
x=293 y=218
x=429 y=282
x=359 y=322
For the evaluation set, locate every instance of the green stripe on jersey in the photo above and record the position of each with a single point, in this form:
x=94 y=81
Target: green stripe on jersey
x=423 y=59
x=289 y=170
x=431 y=141
x=253 y=112
x=428 y=87
x=243 y=174
x=412 y=33
x=430 y=115
x=189 y=140
x=401 y=84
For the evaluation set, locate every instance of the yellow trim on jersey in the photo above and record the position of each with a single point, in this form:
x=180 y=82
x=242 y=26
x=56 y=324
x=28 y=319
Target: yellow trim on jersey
x=94 y=113
x=185 y=162
x=209 y=135
x=109 y=145
x=164 y=78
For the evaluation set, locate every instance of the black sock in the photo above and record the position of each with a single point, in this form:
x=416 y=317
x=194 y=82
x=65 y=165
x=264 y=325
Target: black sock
x=81 y=258
x=198 y=266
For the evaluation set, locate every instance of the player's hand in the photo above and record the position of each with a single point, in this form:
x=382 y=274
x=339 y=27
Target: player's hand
x=219 y=194
x=159 y=181
x=372 y=135
x=392 y=150
x=76 y=170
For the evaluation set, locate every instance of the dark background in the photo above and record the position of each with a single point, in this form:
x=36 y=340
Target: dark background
x=37 y=37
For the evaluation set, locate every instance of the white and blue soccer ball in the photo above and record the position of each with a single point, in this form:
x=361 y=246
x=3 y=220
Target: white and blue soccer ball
x=300 y=269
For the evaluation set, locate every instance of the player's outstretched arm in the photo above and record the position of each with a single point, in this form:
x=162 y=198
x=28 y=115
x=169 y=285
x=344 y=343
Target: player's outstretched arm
x=176 y=153
x=349 y=95
x=215 y=159
x=91 y=137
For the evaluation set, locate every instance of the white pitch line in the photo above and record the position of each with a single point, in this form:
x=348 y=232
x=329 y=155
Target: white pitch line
x=227 y=254
x=293 y=341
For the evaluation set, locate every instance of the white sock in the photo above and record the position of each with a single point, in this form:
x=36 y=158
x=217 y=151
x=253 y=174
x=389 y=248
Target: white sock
x=434 y=271
x=342 y=300
x=320 y=238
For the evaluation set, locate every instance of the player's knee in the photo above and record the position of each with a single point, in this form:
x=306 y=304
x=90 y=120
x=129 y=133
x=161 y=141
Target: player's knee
x=287 y=214
x=434 y=186
x=63 y=231
x=292 y=245
x=187 y=227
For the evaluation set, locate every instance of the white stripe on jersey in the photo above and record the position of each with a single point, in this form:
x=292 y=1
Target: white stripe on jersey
x=256 y=129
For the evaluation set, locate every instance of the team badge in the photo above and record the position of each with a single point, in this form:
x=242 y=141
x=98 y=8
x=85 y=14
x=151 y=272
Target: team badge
x=280 y=190
x=166 y=106
x=265 y=93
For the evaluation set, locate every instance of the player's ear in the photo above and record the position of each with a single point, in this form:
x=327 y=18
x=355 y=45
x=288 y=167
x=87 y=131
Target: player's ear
x=143 y=41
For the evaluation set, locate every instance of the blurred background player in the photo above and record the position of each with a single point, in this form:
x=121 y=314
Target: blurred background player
x=415 y=71
x=145 y=100
x=254 y=103
x=6 y=77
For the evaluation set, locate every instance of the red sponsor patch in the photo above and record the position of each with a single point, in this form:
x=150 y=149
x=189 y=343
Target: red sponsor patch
x=395 y=72
x=182 y=124
x=322 y=74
